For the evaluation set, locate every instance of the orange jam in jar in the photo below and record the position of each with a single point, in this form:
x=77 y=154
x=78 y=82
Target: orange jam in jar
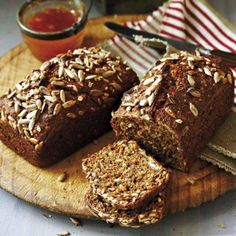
x=51 y=27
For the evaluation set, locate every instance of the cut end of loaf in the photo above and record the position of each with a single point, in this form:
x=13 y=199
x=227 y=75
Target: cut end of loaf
x=157 y=139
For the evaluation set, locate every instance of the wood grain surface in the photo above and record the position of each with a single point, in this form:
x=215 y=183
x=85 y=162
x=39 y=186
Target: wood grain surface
x=42 y=187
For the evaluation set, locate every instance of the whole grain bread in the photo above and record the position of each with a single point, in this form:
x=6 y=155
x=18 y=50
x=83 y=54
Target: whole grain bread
x=124 y=176
x=146 y=215
x=63 y=105
x=177 y=107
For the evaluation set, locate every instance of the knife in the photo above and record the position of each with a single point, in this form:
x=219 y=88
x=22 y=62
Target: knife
x=129 y=33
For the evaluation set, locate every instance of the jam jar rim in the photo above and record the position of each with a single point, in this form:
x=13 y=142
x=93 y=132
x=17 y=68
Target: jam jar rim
x=70 y=31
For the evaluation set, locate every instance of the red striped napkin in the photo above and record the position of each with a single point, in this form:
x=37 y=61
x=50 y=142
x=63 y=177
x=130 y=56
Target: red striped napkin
x=186 y=20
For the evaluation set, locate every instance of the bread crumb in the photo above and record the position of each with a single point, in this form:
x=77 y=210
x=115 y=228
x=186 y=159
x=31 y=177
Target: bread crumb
x=62 y=177
x=222 y=226
x=191 y=180
x=75 y=221
x=47 y=215
x=64 y=233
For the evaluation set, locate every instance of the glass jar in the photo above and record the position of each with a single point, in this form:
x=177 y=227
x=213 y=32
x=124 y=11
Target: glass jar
x=45 y=42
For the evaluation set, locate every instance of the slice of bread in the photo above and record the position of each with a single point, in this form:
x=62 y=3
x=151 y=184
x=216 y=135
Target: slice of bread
x=149 y=214
x=124 y=176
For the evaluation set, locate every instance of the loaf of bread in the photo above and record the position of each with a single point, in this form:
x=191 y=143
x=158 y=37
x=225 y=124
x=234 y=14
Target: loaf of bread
x=177 y=107
x=124 y=176
x=148 y=214
x=63 y=105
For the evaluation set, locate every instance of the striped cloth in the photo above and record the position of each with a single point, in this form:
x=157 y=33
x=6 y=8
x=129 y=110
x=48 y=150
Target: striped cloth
x=186 y=20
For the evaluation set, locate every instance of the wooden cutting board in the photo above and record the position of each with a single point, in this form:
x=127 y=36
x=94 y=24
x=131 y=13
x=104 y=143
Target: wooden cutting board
x=42 y=187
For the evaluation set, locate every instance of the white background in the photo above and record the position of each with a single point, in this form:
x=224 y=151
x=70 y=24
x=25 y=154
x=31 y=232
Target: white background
x=18 y=218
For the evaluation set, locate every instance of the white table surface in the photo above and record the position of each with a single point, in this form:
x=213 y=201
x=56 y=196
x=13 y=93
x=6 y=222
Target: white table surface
x=18 y=218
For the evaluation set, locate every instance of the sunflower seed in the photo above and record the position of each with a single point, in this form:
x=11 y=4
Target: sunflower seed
x=90 y=77
x=16 y=107
x=80 y=75
x=50 y=98
x=69 y=104
x=79 y=61
x=230 y=79
x=108 y=73
x=86 y=61
x=191 y=81
x=194 y=92
x=71 y=73
x=34 y=141
x=71 y=115
x=217 y=77
x=179 y=121
x=58 y=83
x=32 y=114
x=77 y=66
x=169 y=112
x=150 y=99
x=45 y=65
x=44 y=90
x=148 y=81
x=194 y=58
x=38 y=146
x=57 y=109
x=143 y=102
x=116 y=86
x=22 y=113
x=157 y=80
x=60 y=71
x=193 y=109
x=19 y=87
x=43 y=106
x=21 y=97
x=159 y=67
x=80 y=98
x=128 y=104
x=31 y=107
x=31 y=124
x=62 y=96
x=23 y=121
x=170 y=99
x=10 y=118
x=11 y=94
x=3 y=116
x=207 y=71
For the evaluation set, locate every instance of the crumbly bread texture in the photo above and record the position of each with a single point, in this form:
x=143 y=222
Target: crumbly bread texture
x=63 y=105
x=151 y=213
x=123 y=175
x=177 y=107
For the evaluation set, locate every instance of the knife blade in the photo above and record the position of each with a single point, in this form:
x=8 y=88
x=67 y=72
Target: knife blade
x=129 y=33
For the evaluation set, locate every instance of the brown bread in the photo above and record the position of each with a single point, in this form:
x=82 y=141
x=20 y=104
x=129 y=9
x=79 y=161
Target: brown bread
x=177 y=107
x=63 y=105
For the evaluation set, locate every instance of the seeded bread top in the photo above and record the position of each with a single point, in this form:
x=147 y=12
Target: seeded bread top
x=181 y=80
x=65 y=87
x=124 y=176
x=151 y=213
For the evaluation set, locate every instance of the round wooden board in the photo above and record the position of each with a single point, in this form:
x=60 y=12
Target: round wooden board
x=41 y=186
